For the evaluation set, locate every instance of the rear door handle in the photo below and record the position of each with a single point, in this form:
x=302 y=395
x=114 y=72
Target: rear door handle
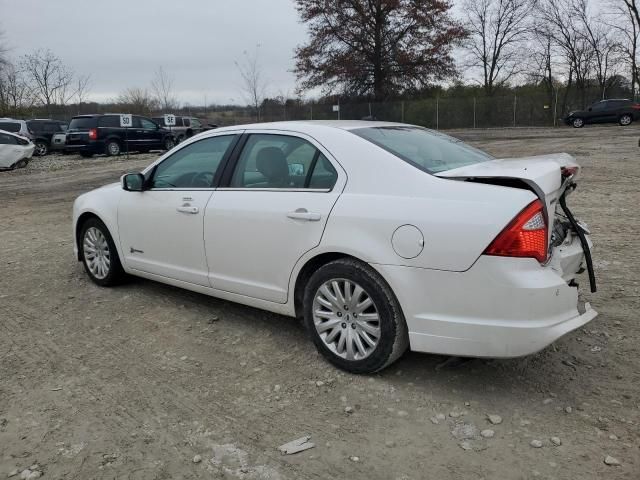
x=303 y=214
x=188 y=209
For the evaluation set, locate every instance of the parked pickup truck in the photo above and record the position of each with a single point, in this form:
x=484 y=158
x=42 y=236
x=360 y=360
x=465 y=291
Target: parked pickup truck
x=184 y=128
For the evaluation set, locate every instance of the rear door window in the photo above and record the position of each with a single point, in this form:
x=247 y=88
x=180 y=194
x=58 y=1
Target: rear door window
x=10 y=126
x=109 y=121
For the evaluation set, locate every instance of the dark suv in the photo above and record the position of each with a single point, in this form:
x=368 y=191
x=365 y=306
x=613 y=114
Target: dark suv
x=620 y=111
x=95 y=134
x=43 y=132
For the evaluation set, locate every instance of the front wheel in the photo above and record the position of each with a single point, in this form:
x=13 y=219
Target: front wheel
x=41 y=148
x=578 y=123
x=353 y=317
x=99 y=254
x=625 y=120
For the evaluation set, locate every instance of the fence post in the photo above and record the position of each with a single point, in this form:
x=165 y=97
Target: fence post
x=369 y=109
x=515 y=97
x=311 y=112
x=437 y=112
x=555 y=110
x=474 y=112
x=402 y=111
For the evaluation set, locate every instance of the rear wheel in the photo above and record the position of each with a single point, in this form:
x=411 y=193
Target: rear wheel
x=41 y=148
x=625 y=120
x=353 y=317
x=577 y=123
x=169 y=143
x=99 y=254
x=112 y=148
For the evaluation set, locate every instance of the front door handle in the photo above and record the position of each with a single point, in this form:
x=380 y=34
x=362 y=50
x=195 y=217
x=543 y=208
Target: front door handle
x=303 y=214
x=188 y=209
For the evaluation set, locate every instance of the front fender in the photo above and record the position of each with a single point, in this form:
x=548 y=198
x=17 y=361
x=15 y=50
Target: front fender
x=103 y=204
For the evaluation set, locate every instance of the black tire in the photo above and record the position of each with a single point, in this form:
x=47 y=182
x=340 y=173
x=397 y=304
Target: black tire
x=115 y=273
x=169 y=143
x=577 y=122
x=86 y=154
x=180 y=139
x=112 y=148
x=20 y=164
x=625 y=120
x=394 y=337
x=42 y=148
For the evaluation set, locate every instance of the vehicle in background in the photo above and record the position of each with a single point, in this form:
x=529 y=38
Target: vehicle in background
x=43 y=131
x=98 y=134
x=15 y=150
x=58 y=141
x=450 y=251
x=18 y=127
x=622 y=111
x=185 y=127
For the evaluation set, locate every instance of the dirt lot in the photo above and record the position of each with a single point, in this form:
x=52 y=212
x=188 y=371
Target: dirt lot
x=136 y=381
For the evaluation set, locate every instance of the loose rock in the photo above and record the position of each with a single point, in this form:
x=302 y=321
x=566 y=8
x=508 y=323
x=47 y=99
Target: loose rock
x=494 y=419
x=488 y=433
x=556 y=441
x=348 y=409
x=568 y=409
x=197 y=459
x=353 y=458
x=611 y=461
x=12 y=473
x=536 y=444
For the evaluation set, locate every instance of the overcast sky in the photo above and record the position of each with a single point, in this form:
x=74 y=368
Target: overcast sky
x=120 y=43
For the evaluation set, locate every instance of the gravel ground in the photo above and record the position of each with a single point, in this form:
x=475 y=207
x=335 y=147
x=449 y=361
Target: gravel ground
x=146 y=381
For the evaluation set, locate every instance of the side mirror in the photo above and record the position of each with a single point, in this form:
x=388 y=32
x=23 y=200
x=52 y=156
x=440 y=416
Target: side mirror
x=133 y=182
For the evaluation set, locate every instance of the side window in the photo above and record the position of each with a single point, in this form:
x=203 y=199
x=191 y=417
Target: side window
x=281 y=161
x=195 y=123
x=110 y=121
x=136 y=122
x=187 y=122
x=8 y=139
x=147 y=124
x=323 y=175
x=599 y=106
x=193 y=166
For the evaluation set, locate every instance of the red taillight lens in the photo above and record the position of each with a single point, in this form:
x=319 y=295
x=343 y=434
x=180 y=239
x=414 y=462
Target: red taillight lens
x=93 y=134
x=636 y=106
x=525 y=236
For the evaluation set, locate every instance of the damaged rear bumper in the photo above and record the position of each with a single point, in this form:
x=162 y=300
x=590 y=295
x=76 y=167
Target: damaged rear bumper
x=501 y=307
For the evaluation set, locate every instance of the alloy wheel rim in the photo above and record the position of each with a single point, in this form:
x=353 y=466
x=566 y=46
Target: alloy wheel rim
x=578 y=122
x=346 y=319
x=96 y=253
x=114 y=149
x=41 y=149
x=625 y=120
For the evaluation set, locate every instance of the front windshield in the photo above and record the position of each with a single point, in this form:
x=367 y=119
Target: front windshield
x=425 y=149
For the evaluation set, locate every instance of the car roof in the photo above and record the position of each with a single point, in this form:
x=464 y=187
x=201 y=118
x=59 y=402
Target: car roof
x=307 y=125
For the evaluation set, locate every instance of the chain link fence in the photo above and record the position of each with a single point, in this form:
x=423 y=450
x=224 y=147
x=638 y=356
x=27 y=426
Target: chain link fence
x=531 y=109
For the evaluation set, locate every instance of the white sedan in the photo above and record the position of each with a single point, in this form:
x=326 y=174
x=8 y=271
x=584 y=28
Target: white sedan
x=381 y=236
x=15 y=150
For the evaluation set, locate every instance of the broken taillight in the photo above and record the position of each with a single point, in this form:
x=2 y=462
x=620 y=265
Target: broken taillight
x=93 y=134
x=568 y=171
x=525 y=236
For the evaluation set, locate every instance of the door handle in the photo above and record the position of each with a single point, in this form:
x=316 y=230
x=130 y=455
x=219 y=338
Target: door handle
x=303 y=214
x=188 y=209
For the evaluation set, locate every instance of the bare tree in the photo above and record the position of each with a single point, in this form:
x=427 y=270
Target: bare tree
x=51 y=79
x=604 y=50
x=137 y=100
x=625 y=22
x=254 y=86
x=497 y=29
x=568 y=35
x=4 y=49
x=83 y=85
x=16 y=94
x=162 y=88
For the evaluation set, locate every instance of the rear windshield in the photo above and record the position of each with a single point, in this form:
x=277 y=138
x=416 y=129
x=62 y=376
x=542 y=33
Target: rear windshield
x=81 y=123
x=425 y=149
x=10 y=127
